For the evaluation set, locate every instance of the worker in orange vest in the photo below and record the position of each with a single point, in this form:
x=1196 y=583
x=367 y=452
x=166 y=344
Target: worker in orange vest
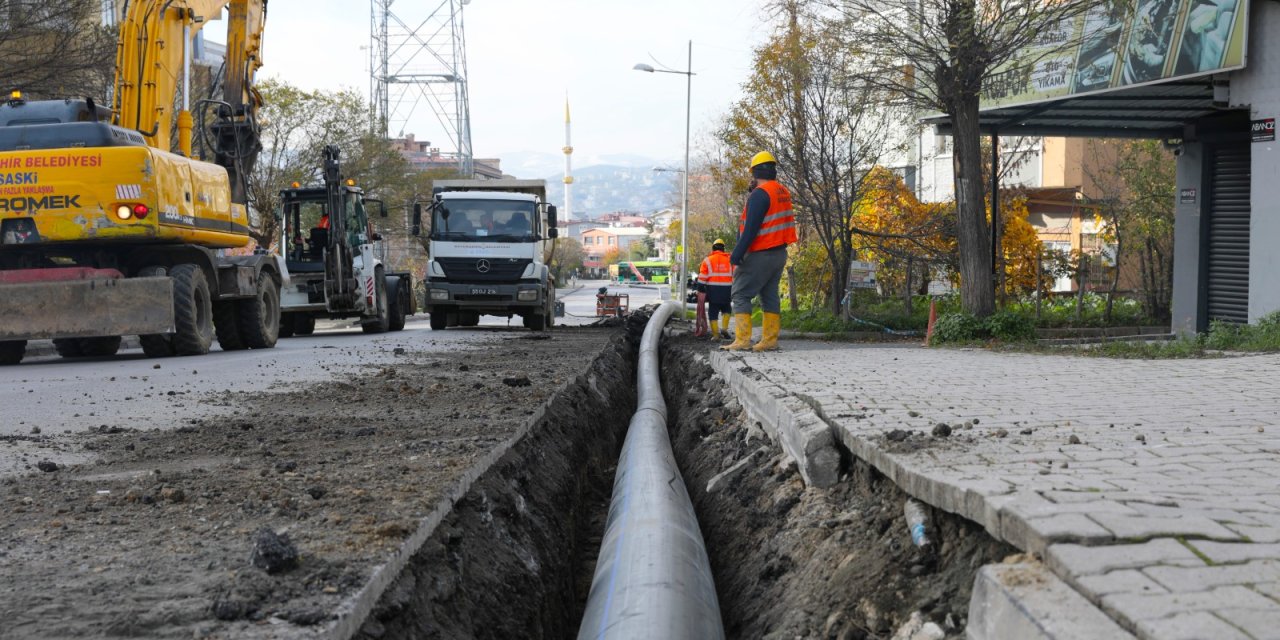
x=767 y=226
x=715 y=278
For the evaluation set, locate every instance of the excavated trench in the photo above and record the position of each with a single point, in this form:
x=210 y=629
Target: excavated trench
x=515 y=557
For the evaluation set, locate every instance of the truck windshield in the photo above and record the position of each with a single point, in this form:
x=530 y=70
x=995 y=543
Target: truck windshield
x=484 y=221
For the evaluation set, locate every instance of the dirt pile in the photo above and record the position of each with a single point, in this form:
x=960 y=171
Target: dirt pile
x=156 y=538
x=791 y=562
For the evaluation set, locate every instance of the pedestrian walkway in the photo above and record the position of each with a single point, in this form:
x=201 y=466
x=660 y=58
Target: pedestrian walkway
x=1151 y=487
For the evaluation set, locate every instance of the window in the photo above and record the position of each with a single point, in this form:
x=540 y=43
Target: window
x=613 y=240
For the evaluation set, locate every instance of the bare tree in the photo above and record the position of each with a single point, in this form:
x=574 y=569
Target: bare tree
x=939 y=55
x=56 y=49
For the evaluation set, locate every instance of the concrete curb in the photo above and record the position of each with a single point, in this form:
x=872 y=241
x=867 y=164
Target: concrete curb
x=800 y=430
x=1028 y=602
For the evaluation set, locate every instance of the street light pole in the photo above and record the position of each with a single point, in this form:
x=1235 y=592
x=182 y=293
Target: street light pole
x=684 y=204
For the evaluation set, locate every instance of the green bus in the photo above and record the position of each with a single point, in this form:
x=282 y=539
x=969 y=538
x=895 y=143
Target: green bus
x=647 y=271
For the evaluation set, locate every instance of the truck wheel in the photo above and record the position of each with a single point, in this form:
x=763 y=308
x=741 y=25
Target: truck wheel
x=439 y=320
x=260 y=315
x=192 y=311
x=399 y=307
x=380 y=323
x=99 y=347
x=304 y=324
x=536 y=321
x=468 y=319
x=227 y=326
x=12 y=351
x=67 y=347
x=286 y=325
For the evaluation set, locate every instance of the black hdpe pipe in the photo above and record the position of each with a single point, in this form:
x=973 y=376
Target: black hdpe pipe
x=653 y=578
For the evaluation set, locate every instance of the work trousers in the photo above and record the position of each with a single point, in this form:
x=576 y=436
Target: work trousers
x=759 y=275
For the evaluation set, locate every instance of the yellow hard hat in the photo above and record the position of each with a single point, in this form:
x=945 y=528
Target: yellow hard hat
x=761 y=158
x=718 y=242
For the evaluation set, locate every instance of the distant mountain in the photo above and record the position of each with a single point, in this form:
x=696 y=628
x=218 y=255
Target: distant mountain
x=605 y=188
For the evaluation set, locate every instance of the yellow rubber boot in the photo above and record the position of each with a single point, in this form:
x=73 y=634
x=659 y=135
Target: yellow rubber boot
x=724 y=326
x=769 y=336
x=742 y=333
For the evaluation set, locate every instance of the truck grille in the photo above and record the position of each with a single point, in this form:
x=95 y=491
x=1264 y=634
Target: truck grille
x=483 y=269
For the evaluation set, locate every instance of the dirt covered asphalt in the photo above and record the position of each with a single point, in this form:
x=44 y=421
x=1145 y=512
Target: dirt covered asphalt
x=260 y=523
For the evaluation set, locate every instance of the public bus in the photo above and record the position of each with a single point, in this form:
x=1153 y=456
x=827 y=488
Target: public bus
x=646 y=271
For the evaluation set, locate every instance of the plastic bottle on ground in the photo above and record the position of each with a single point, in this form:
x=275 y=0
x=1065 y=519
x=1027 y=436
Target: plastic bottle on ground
x=917 y=522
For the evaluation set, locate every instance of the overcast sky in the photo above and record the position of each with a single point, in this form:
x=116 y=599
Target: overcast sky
x=523 y=55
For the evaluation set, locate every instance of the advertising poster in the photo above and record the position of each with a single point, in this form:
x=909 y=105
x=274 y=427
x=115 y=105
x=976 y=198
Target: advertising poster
x=1112 y=47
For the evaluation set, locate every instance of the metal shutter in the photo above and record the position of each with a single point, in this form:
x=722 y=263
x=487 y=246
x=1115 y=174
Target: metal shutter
x=1228 y=250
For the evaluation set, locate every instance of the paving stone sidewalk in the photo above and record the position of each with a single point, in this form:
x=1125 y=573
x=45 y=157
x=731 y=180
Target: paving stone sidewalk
x=1151 y=487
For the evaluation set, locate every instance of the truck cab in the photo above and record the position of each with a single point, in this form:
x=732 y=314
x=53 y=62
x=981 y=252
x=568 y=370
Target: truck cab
x=486 y=243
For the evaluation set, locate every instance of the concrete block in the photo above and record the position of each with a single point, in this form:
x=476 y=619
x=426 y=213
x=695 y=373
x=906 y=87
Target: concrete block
x=1206 y=578
x=1197 y=625
x=1027 y=602
x=1234 y=552
x=1256 y=623
x=1079 y=560
x=1033 y=535
x=1121 y=581
x=1136 y=607
x=1144 y=527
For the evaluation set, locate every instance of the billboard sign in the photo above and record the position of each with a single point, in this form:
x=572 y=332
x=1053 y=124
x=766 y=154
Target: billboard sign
x=1112 y=47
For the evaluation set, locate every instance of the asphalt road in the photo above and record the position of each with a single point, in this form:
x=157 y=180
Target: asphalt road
x=46 y=397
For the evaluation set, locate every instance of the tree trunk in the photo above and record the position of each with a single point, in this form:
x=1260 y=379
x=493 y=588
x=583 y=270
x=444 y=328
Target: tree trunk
x=1115 y=284
x=977 y=287
x=906 y=288
x=1039 y=284
x=1082 y=280
x=839 y=282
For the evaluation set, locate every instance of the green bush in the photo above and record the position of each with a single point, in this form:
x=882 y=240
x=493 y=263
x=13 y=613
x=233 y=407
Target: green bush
x=959 y=327
x=1010 y=326
x=1264 y=335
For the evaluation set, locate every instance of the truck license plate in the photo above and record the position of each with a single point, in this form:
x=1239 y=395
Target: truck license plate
x=480 y=291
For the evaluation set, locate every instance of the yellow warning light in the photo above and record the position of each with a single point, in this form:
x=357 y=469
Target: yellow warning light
x=15 y=95
x=351 y=182
x=297 y=185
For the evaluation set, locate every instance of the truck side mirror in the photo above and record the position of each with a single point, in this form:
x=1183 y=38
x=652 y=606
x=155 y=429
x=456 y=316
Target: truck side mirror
x=417 y=218
x=553 y=231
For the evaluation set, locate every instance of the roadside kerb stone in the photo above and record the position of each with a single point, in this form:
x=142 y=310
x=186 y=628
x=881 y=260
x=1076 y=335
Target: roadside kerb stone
x=1026 y=601
x=790 y=422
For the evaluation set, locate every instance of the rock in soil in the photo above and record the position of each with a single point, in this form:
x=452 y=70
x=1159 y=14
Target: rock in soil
x=273 y=552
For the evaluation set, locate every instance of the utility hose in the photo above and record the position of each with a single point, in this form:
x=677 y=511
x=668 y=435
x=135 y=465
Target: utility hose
x=652 y=579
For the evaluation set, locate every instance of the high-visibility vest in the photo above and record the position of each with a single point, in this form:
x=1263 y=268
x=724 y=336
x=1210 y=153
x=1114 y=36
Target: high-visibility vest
x=779 y=226
x=324 y=222
x=716 y=270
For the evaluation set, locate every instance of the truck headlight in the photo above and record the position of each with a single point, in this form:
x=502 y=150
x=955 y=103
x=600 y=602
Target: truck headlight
x=439 y=294
x=527 y=295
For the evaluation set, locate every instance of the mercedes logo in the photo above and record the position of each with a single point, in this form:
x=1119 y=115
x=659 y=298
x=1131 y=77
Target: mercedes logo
x=482 y=266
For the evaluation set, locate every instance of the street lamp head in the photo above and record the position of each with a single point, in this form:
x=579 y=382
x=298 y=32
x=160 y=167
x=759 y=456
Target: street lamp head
x=643 y=67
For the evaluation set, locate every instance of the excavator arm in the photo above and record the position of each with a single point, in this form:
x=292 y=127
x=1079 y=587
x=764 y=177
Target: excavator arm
x=153 y=65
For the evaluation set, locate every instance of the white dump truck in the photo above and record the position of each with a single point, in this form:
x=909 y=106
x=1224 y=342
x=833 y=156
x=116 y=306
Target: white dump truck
x=486 y=243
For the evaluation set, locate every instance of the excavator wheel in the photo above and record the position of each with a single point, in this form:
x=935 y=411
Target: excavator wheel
x=99 y=347
x=67 y=347
x=304 y=324
x=286 y=325
x=226 y=324
x=192 y=311
x=155 y=345
x=260 y=315
x=380 y=323
x=12 y=351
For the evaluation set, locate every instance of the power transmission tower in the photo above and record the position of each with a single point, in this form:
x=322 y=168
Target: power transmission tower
x=418 y=67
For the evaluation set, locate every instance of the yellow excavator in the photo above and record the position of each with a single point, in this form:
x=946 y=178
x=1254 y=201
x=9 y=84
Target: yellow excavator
x=107 y=228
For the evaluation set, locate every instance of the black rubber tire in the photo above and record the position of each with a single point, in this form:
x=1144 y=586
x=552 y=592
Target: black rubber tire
x=226 y=325
x=439 y=320
x=396 y=310
x=12 y=351
x=536 y=321
x=67 y=347
x=286 y=325
x=304 y=324
x=468 y=319
x=192 y=311
x=260 y=315
x=99 y=347
x=156 y=345
x=380 y=323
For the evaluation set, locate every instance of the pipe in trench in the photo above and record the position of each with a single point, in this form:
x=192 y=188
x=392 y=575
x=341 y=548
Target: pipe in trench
x=653 y=578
